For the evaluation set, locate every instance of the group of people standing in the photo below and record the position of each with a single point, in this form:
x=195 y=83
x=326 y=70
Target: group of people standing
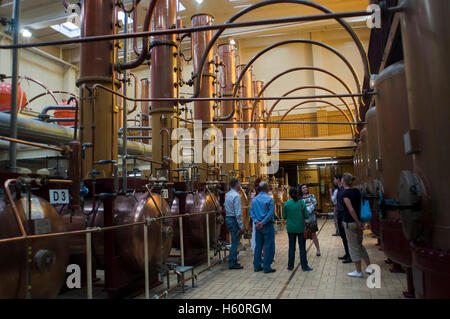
x=301 y=223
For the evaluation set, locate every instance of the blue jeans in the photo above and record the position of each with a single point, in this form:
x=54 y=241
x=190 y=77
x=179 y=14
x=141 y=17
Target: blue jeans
x=302 y=247
x=233 y=228
x=264 y=237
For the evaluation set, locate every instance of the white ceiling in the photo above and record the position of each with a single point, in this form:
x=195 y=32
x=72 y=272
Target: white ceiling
x=39 y=15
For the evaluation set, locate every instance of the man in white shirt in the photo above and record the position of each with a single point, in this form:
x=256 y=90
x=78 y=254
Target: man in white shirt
x=233 y=220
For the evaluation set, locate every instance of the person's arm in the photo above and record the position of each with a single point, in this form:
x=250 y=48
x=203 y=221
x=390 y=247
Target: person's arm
x=284 y=212
x=238 y=211
x=305 y=210
x=313 y=201
x=252 y=211
x=270 y=213
x=351 y=210
x=334 y=197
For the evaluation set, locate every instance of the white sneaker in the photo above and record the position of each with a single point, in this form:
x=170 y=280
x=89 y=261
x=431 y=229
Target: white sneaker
x=369 y=271
x=355 y=274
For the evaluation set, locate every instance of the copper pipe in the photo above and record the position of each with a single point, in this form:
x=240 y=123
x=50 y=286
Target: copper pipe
x=304 y=69
x=14 y=207
x=187 y=100
x=38 y=83
x=328 y=12
x=99 y=229
x=144 y=53
x=135 y=93
x=291 y=122
x=286 y=42
x=269 y=113
x=15 y=140
x=44 y=94
x=319 y=17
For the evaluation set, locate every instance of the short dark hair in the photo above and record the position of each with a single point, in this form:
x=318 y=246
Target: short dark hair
x=234 y=182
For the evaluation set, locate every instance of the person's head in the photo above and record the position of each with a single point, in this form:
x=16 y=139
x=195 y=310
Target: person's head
x=347 y=180
x=235 y=184
x=337 y=180
x=293 y=193
x=304 y=189
x=263 y=187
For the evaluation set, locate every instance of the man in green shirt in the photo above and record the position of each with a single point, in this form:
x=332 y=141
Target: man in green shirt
x=295 y=213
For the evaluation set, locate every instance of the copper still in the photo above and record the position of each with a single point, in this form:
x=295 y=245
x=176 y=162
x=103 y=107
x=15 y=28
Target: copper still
x=48 y=256
x=227 y=80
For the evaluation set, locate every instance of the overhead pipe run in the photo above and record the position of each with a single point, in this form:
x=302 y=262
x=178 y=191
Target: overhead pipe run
x=301 y=41
x=306 y=68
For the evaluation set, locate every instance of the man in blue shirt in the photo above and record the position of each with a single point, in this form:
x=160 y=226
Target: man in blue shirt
x=233 y=220
x=262 y=213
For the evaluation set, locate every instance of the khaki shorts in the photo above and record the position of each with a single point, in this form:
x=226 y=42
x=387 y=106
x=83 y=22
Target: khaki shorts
x=355 y=239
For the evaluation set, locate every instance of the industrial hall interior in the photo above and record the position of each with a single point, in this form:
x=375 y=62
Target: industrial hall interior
x=224 y=149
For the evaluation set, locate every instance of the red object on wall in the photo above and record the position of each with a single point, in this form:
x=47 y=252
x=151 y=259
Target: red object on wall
x=65 y=114
x=5 y=97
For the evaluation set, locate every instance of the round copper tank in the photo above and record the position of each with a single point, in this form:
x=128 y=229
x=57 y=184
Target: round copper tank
x=49 y=255
x=129 y=241
x=195 y=234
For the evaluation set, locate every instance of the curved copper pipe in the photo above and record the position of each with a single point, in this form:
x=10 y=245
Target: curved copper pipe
x=311 y=68
x=135 y=93
x=317 y=101
x=38 y=83
x=309 y=87
x=14 y=207
x=292 y=41
x=344 y=24
x=144 y=53
x=55 y=92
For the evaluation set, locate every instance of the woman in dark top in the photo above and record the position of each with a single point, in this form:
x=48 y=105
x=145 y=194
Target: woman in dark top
x=353 y=226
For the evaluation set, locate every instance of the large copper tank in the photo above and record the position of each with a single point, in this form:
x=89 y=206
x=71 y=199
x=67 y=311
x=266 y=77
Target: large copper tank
x=130 y=240
x=425 y=26
x=364 y=161
x=194 y=227
x=392 y=123
x=49 y=255
x=246 y=90
x=373 y=182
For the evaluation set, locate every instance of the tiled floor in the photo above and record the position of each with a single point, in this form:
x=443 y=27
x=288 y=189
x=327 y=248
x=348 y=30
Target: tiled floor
x=328 y=279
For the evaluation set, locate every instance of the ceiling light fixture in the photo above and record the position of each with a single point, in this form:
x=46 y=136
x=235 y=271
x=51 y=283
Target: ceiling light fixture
x=322 y=163
x=232 y=42
x=199 y=1
x=26 y=33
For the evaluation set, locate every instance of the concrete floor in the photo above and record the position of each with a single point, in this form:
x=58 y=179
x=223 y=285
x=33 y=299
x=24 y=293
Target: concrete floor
x=328 y=279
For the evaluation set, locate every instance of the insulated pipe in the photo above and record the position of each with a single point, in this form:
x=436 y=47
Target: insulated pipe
x=33 y=130
x=163 y=74
x=307 y=68
x=281 y=43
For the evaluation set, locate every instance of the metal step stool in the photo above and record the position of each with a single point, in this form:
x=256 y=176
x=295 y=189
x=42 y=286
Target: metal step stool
x=179 y=271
